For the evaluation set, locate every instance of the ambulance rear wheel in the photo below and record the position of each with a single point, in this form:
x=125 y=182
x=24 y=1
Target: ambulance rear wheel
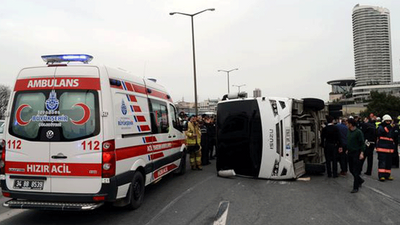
x=136 y=191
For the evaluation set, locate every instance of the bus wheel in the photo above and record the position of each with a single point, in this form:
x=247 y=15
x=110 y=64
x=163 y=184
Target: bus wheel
x=313 y=104
x=136 y=191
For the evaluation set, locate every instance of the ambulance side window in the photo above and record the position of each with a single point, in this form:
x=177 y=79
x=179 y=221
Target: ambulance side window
x=159 y=116
x=174 y=116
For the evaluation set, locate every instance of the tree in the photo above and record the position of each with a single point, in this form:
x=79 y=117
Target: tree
x=383 y=103
x=4 y=97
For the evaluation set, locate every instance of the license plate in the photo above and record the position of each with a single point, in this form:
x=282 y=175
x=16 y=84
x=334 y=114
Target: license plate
x=29 y=184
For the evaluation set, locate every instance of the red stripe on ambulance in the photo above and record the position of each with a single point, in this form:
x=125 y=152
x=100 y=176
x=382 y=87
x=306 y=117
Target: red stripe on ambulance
x=134 y=151
x=164 y=170
x=54 y=169
x=159 y=94
x=157 y=155
x=57 y=83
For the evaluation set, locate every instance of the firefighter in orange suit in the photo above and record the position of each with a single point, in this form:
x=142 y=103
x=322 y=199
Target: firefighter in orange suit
x=193 y=141
x=385 y=148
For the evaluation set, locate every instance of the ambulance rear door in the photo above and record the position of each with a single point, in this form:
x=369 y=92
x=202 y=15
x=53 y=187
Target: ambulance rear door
x=76 y=139
x=27 y=154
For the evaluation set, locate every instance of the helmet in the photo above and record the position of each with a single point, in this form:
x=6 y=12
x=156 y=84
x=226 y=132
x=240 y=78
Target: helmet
x=386 y=117
x=378 y=118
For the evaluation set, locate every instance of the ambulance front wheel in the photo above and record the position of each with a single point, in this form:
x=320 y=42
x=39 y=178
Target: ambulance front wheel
x=136 y=191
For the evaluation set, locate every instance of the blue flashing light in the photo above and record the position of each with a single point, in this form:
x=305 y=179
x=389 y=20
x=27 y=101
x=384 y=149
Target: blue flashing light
x=67 y=58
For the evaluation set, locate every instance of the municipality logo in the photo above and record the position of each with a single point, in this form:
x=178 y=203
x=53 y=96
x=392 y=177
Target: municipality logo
x=123 y=108
x=52 y=102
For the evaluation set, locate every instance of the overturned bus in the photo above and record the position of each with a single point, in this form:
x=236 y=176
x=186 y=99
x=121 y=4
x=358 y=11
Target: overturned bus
x=272 y=138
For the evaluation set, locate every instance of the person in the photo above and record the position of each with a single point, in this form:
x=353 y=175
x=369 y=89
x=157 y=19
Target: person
x=385 y=148
x=212 y=135
x=378 y=122
x=193 y=141
x=355 y=152
x=369 y=133
x=205 y=141
x=330 y=140
x=396 y=133
x=342 y=126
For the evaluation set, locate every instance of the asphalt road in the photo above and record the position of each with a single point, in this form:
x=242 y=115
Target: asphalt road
x=194 y=198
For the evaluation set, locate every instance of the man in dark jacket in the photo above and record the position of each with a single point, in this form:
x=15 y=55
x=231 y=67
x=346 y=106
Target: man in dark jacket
x=355 y=152
x=342 y=126
x=369 y=133
x=330 y=140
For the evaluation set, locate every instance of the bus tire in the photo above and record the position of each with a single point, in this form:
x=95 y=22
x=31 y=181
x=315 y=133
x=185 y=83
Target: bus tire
x=336 y=114
x=335 y=107
x=136 y=191
x=313 y=103
x=182 y=166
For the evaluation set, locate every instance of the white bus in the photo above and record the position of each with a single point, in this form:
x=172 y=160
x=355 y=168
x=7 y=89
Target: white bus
x=272 y=138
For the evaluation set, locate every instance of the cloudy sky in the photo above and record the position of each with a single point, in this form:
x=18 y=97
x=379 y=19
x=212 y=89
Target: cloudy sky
x=287 y=48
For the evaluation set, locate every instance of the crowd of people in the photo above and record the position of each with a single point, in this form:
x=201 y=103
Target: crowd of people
x=200 y=139
x=350 y=142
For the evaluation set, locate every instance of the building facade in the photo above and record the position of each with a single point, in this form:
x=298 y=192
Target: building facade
x=257 y=93
x=372 y=45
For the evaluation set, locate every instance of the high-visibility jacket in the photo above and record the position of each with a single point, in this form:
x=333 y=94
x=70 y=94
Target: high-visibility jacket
x=385 y=142
x=191 y=140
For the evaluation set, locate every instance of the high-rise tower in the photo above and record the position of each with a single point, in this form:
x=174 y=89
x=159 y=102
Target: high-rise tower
x=372 y=45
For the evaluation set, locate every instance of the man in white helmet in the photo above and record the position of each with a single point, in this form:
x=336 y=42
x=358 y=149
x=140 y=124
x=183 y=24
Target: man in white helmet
x=385 y=148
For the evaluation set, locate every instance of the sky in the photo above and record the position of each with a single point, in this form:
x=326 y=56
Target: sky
x=286 y=48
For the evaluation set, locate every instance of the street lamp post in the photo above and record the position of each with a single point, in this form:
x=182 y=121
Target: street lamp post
x=239 y=86
x=194 y=57
x=227 y=73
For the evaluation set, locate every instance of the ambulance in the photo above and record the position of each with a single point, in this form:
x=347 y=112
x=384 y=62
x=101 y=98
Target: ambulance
x=79 y=135
x=270 y=137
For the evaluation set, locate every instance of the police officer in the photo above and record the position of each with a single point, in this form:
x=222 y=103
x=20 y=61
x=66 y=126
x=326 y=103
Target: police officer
x=385 y=148
x=193 y=140
x=369 y=132
x=205 y=140
x=330 y=140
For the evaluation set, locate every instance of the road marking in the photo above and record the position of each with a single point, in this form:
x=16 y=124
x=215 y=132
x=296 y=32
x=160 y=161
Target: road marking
x=13 y=212
x=222 y=213
x=177 y=199
x=385 y=195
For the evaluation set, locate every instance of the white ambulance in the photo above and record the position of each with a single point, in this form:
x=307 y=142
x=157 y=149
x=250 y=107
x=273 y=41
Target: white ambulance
x=79 y=135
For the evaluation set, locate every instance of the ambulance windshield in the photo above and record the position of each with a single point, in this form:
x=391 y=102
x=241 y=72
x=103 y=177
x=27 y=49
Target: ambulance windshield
x=55 y=115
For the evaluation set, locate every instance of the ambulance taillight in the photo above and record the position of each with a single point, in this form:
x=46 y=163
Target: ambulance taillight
x=3 y=157
x=108 y=166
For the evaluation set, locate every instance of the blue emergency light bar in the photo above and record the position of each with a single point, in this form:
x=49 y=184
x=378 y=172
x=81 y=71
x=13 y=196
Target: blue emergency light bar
x=67 y=58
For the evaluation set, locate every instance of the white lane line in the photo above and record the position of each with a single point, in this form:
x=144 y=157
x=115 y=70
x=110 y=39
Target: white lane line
x=222 y=214
x=385 y=195
x=12 y=212
x=177 y=199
